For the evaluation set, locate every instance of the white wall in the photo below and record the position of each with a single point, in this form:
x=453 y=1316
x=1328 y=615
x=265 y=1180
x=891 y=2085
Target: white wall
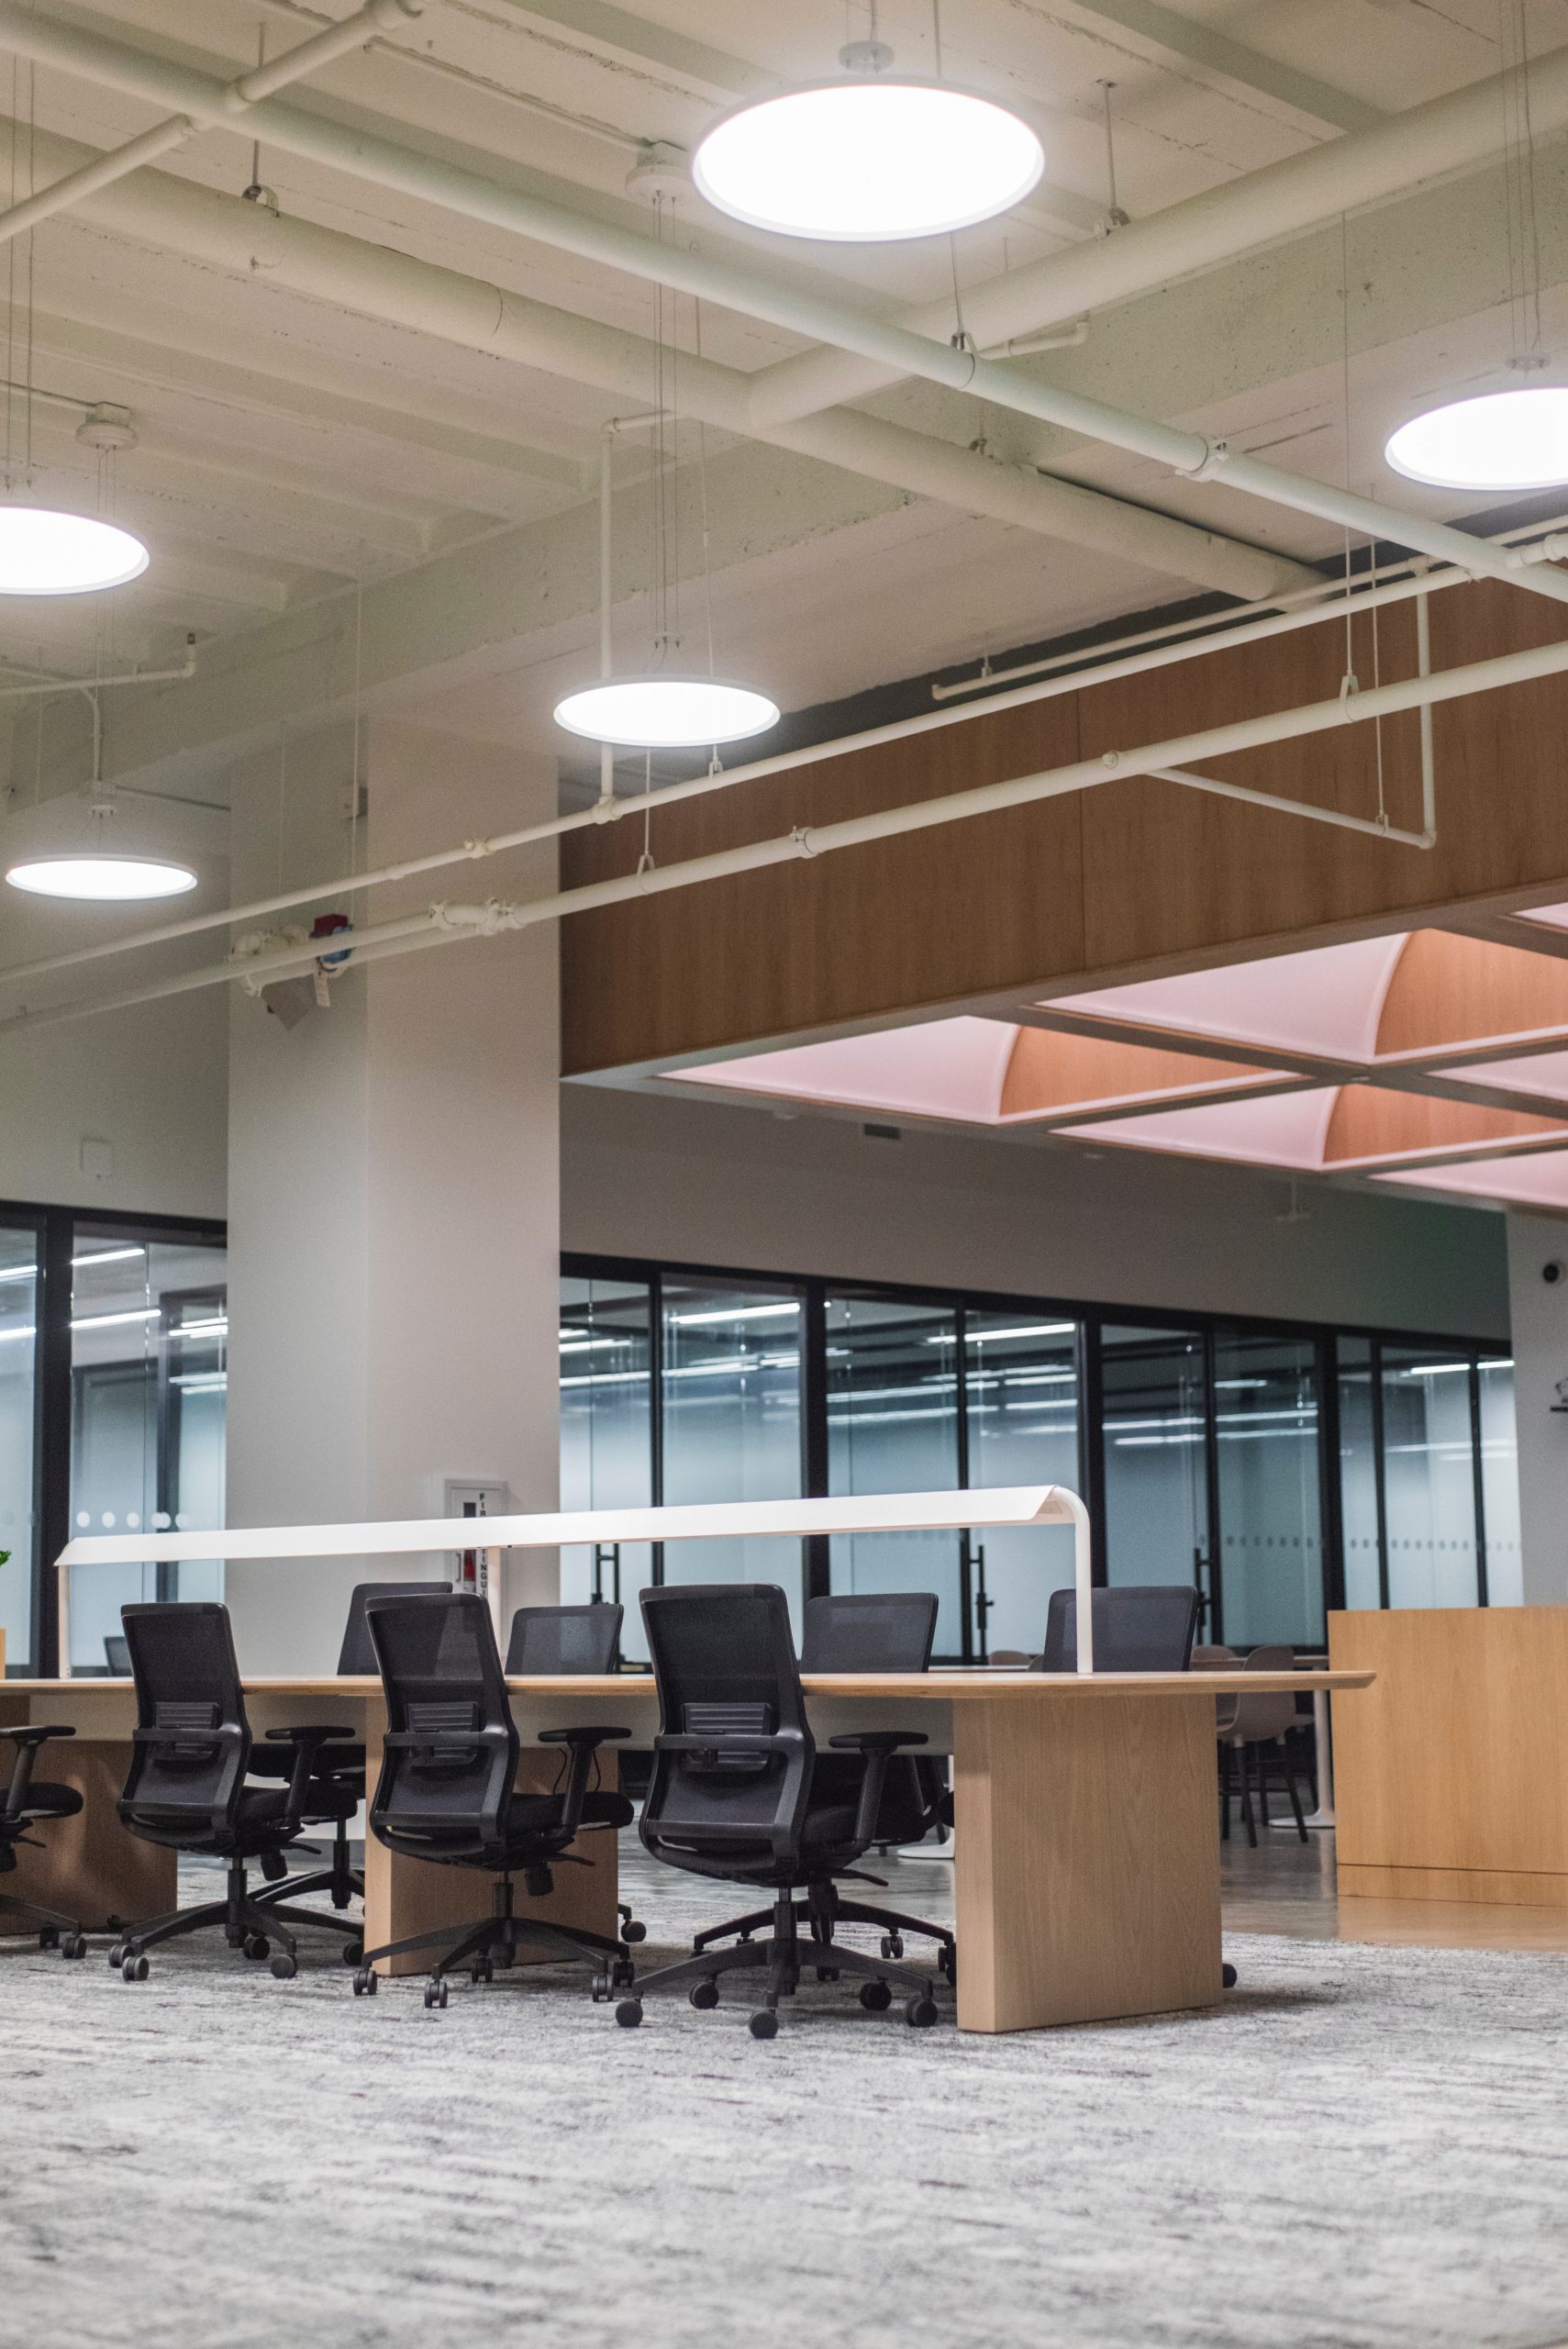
x=710 y=1184
x=1540 y=1359
x=394 y=1227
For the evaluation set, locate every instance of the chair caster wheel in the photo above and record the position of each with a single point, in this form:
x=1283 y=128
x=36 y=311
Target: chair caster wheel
x=49 y=1937
x=481 y=1971
x=705 y=1993
x=117 y=1956
x=875 y=1997
x=827 y=1974
x=921 y=2012
x=365 y=1982
x=134 y=1969
x=765 y=2024
x=285 y=1967
x=256 y=1947
x=947 y=1963
x=353 y=1953
x=435 y=1993
x=628 y=2014
x=1228 y=1976
x=634 y=1930
x=73 y=1945
x=623 y=1973
x=893 y=1944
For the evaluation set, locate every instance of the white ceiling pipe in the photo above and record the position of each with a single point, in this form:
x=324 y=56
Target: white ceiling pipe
x=352 y=32
x=1447 y=134
x=1332 y=607
x=441 y=925
x=329 y=266
x=366 y=156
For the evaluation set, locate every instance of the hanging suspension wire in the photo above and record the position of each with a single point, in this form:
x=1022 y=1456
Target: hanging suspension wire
x=1115 y=217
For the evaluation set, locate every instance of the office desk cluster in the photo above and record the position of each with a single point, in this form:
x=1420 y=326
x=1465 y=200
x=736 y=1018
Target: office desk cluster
x=1087 y=1843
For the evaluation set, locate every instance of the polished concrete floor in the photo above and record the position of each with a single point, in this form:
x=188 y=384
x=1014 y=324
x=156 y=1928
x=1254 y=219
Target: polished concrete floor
x=1287 y=1888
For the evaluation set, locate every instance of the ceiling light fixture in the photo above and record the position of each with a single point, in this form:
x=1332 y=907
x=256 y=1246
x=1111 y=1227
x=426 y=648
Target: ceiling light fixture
x=875 y=158
x=1516 y=439
x=102 y=880
x=659 y=713
x=1499 y=441
x=44 y=551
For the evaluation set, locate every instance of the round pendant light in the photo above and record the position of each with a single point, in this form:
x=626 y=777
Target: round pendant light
x=1499 y=441
x=101 y=879
x=666 y=712
x=870 y=160
x=44 y=553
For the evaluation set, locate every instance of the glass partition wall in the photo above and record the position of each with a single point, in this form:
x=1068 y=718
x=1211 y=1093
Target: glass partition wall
x=113 y=1403
x=1283 y=1470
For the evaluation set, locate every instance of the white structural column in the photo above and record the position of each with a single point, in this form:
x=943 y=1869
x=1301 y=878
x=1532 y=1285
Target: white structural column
x=1538 y=1313
x=393 y=1204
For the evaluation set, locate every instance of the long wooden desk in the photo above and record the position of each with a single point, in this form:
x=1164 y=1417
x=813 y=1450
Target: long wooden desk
x=1087 y=1869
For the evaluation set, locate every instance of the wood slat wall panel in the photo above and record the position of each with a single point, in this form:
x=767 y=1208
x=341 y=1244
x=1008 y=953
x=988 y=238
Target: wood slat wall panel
x=1131 y=874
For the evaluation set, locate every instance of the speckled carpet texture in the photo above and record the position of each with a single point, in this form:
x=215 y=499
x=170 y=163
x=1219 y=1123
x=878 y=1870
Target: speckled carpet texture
x=1362 y=2147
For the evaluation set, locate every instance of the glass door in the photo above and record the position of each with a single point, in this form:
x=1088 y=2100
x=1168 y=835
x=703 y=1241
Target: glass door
x=1269 y=1490
x=19 y=1517
x=732 y=1422
x=1429 y=1454
x=1021 y=1386
x=893 y=1427
x=607 y=1438
x=1158 y=1504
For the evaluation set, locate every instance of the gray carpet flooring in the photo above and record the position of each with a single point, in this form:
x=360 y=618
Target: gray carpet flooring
x=1361 y=2149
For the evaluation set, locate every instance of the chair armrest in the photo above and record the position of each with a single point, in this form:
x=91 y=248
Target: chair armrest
x=580 y=1736
x=879 y=1740
x=26 y=1739
x=307 y=1737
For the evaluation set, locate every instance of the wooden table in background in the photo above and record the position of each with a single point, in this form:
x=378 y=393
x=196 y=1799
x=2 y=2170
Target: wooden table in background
x=1452 y=1774
x=1087 y=1871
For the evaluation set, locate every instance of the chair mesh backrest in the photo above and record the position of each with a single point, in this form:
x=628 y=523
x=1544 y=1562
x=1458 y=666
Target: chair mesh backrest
x=724 y=1662
x=117 y=1654
x=883 y=1631
x=188 y=1679
x=547 y=1640
x=1139 y=1627
x=356 y=1657
x=440 y=1671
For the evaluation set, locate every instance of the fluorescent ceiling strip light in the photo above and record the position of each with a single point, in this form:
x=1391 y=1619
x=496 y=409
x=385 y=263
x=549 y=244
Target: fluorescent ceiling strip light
x=732 y=1313
x=1029 y=1330
x=17 y=1333
x=108 y=1256
x=113 y=1320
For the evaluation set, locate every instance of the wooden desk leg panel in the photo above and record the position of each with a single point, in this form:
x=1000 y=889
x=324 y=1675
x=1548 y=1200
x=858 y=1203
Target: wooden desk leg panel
x=1087 y=1860
x=404 y=1895
x=88 y=1866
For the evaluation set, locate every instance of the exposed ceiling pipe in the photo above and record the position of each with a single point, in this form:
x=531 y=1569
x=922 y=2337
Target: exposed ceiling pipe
x=441 y=924
x=1332 y=607
x=380 y=282
x=237 y=98
x=1446 y=134
x=365 y=155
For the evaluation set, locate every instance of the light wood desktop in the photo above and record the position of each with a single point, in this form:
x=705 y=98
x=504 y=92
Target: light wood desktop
x=1087 y=1868
x=1452 y=1775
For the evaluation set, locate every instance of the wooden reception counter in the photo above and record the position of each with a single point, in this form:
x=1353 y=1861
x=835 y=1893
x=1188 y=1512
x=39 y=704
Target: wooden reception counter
x=1451 y=1772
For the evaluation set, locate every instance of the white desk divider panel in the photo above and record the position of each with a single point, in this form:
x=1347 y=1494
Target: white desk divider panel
x=981 y=1508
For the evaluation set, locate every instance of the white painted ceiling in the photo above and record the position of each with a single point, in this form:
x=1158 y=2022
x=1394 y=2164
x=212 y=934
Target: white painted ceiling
x=290 y=454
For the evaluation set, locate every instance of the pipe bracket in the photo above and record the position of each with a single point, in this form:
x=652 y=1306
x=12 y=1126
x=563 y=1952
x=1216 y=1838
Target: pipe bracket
x=1209 y=465
x=800 y=838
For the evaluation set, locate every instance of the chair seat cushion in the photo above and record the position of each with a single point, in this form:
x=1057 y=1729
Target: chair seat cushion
x=604 y=1808
x=44 y=1800
x=828 y=1829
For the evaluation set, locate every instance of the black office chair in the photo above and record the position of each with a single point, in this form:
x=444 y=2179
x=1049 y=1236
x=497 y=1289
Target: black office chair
x=342 y=1765
x=731 y=1795
x=117 y=1655
x=870 y=1632
x=446 y=1791
x=28 y=1803
x=551 y=1642
x=186 y=1790
x=1139 y=1627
